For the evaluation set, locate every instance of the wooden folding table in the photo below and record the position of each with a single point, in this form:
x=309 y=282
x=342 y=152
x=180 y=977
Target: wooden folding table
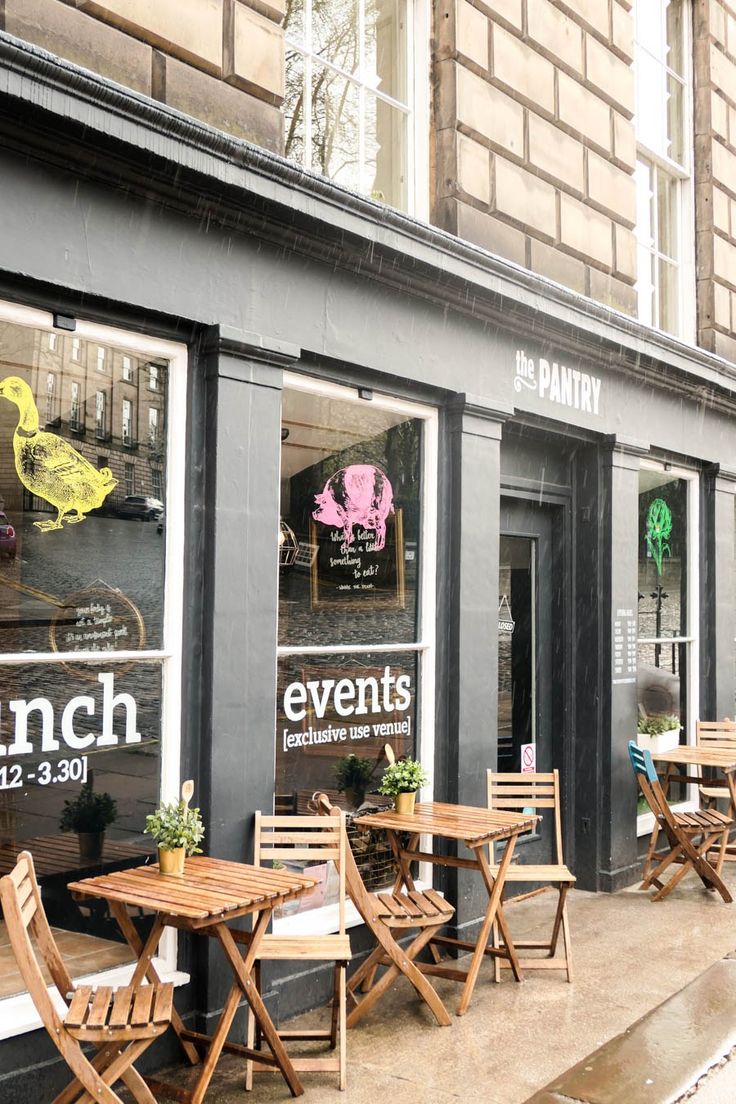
x=476 y=828
x=210 y=894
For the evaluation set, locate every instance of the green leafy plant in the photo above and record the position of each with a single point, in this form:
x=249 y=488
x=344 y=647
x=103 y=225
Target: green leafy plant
x=657 y=724
x=175 y=825
x=354 y=774
x=403 y=776
x=88 y=811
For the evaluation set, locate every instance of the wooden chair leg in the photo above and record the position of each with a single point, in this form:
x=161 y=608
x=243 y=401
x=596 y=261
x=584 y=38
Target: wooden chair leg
x=137 y=1087
x=496 y=946
x=562 y=894
x=650 y=852
x=566 y=942
x=335 y=1007
x=342 y=1041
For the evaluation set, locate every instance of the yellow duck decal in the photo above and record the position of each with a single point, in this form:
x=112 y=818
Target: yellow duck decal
x=49 y=467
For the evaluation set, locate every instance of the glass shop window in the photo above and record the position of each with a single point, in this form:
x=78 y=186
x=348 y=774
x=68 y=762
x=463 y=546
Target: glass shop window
x=351 y=553
x=666 y=649
x=82 y=582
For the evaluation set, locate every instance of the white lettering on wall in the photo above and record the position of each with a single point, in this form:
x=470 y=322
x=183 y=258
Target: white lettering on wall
x=558 y=384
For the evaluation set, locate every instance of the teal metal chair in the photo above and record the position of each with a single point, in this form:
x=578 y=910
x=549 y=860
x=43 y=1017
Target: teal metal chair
x=691 y=835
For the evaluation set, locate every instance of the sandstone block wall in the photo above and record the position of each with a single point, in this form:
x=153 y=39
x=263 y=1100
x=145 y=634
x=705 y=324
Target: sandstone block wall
x=534 y=144
x=221 y=61
x=715 y=174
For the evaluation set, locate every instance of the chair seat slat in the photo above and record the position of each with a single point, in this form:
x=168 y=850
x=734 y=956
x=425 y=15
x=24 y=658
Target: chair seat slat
x=120 y=1013
x=97 y=1015
x=141 y=1012
x=77 y=1012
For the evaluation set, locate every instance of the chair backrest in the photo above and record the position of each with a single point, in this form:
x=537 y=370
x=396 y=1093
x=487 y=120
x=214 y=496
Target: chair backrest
x=287 y=839
x=534 y=790
x=24 y=916
x=716 y=732
x=359 y=895
x=651 y=787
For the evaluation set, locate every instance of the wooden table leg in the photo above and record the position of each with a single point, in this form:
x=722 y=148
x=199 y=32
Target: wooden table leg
x=493 y=912
x=242 y=967
x=144 y=966
x=403 y=859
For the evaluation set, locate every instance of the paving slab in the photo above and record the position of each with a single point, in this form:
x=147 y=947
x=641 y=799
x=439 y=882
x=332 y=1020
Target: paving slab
x=629 y=955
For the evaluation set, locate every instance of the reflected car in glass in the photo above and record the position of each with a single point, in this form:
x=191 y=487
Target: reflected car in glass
x=7 y=537
x=141 y=506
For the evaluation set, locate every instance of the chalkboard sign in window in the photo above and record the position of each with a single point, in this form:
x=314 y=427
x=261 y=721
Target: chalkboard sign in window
x=359 y=574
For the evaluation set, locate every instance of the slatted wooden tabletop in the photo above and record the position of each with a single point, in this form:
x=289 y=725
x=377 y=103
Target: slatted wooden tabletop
x=209 y=888
x=462 y=822
x=701 y=756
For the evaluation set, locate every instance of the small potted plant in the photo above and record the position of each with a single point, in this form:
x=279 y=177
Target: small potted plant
x=401 y=780
x=88 y=814
x=178 y=830
x=658 y=732
x=352 y=776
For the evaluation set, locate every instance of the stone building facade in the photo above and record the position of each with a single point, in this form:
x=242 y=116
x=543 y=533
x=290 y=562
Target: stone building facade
x=485 y=249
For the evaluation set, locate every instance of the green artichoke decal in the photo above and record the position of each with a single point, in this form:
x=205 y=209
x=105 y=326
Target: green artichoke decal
x=659 y=528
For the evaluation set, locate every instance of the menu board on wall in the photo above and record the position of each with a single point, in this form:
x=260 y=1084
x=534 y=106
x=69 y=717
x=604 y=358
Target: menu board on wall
x=358 y=575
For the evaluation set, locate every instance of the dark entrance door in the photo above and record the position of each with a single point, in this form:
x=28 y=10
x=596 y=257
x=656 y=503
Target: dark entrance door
x=529 y=650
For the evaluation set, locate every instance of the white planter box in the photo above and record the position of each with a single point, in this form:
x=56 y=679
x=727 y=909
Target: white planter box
x=665 y=741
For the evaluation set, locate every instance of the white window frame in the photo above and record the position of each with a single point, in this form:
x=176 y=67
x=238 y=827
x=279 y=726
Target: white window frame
x=17 y=1013
x=416 y=109
x=682 y=174
x=128 y=369
x=76 y=349
x=645 y=821
x=101 y=358
x=324 y=920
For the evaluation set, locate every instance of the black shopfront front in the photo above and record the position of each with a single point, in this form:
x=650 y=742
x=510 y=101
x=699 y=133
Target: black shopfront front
x=410 y=494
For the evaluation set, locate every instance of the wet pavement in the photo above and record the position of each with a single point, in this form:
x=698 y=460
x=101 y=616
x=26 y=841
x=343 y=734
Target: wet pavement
x=629 y=956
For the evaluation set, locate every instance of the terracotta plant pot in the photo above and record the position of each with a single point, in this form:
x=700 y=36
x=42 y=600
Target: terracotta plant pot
x=404 y=803
x=171 y=862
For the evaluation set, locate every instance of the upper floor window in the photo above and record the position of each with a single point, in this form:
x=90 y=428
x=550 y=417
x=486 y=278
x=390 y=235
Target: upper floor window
x=100 y=404
x=100 y=358
x=53 y=342
x=153 y=377
x=127 y=369
x=350 y=105
x=50 y=397
x=74 y=421
x=665 y=255
x=76 y=348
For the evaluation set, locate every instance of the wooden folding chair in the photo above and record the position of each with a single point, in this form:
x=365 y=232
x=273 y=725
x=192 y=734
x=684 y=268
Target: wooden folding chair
x=690 y=835
x=120 y=1024
x=388 y=914
x=535 y=791
x=715 y=734
x=283 y=839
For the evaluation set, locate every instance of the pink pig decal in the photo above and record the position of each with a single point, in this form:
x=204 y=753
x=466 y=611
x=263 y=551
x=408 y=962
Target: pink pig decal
x=360 y=494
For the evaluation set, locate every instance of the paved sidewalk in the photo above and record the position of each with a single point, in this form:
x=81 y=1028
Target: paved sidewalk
x=629 y=955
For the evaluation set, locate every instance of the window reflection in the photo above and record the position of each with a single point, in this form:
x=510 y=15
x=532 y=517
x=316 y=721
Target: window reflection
x=80 y=572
